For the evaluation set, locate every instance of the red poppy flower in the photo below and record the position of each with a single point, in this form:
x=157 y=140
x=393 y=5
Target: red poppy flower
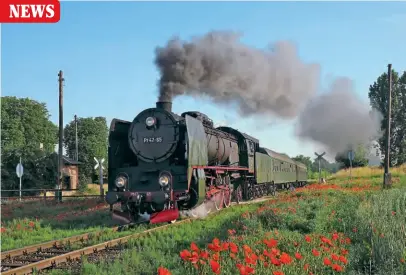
x=163 y=271
x=315 y=252
x=336 y=267
x=326 y=261
x=298 y=256
x=343 y=259
x=185 y=254
x=194 y=247
x=245 y=270
x=247 y=248
x=285 y=258
x=334 y=257
x=271 y=243
x=215 y=267
x=204 y=254
x=275 y=261
x=233 y=248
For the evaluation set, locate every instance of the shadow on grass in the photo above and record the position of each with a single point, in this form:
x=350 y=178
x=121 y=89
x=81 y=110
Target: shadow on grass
x=46 y=209
x=101 y=218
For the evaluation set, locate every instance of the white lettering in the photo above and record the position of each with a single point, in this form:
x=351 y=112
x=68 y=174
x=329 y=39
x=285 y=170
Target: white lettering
x=25 y=13
x=50 y=11
x=14 y=11
x=37 y=10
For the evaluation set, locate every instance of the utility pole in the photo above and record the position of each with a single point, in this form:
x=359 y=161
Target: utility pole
x=60 y=152
x=76 y=137
x=319 y=157
x=387 y=178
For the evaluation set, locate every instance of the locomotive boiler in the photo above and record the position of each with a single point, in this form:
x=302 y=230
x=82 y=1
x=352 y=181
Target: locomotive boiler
x=162 y=163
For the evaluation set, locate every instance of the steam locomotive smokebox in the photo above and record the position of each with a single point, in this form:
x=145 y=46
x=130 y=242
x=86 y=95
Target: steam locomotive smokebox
x=165 y=105
x=158 y=141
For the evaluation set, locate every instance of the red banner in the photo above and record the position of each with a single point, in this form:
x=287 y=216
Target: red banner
x=30 y=11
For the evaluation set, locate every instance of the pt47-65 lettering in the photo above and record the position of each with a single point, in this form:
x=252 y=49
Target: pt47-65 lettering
x=152 y=139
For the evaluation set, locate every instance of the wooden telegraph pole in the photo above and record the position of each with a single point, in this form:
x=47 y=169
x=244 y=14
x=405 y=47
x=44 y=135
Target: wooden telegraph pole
x=76 y=138
x=60 y=151
x=387 y=178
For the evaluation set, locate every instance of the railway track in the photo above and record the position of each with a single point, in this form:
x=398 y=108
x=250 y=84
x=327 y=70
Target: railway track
x=50 y=254
x=51 y=257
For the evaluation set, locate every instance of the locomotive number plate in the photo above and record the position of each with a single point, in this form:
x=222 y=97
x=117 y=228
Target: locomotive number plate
x=152 y=139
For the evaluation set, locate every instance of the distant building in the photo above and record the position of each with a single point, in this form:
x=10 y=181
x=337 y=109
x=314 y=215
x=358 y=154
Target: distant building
x=70 y=173
x=70 y=170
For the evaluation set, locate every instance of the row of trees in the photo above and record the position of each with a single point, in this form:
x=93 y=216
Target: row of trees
x=28 y=132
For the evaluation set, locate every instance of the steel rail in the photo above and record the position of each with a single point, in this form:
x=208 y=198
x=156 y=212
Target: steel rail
x=26 y=269
x=34 y=248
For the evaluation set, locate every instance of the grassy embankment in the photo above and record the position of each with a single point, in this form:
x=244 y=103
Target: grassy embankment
x=344 y=226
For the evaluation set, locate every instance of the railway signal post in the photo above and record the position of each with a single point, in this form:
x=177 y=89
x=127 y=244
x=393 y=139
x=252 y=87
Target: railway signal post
x=319 y=157
x=20 y=172
x=99 y=164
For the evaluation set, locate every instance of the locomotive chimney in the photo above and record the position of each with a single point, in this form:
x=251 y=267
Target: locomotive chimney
x=166 y=105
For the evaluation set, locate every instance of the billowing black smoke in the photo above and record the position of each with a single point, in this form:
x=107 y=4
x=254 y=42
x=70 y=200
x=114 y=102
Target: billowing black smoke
x=273 y=82
x=220 y=66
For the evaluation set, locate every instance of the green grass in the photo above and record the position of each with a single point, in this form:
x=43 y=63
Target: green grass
x=370 y=223
x=36 y=222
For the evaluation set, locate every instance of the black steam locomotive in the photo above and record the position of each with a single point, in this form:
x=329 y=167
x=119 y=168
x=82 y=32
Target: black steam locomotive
x=161 y=163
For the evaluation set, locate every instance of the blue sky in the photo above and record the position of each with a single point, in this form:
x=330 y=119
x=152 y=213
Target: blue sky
x=106 y=50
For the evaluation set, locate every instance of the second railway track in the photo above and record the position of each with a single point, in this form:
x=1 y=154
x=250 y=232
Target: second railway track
x=52 y=258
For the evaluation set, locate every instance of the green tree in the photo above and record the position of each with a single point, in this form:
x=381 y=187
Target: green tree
x=92 y=142
x=27 y=132
x=378 y=96
x=305 y=160
x=25 y=125
x=360 y=159
x=40 y=172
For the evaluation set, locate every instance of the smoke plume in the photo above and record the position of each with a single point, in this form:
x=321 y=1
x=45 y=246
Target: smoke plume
x=271 y=83
x=220 y=66
x=338 y=119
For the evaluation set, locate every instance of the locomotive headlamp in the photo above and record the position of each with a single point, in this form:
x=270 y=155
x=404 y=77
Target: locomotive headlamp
x=120 y=181
x=150 y=121
x=164 y=180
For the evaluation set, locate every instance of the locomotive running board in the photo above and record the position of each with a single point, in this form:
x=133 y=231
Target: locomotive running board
x=164 y=216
